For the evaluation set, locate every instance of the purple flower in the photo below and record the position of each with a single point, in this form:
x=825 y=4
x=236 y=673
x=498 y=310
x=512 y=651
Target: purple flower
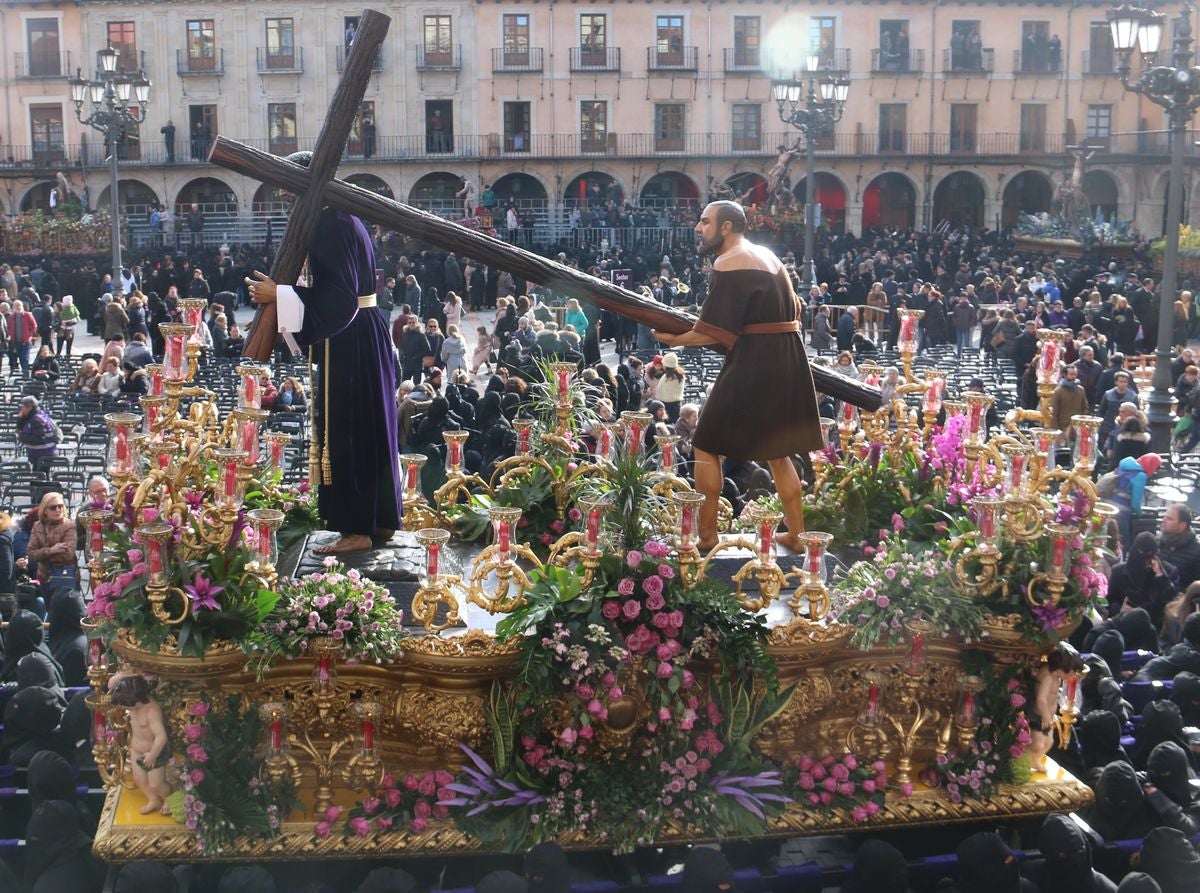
x=1049 y=615
x=202 y=593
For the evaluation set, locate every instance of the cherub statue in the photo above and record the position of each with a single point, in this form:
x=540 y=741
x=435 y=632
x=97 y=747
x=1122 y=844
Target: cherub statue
x=1055 y=667
x=149 y=744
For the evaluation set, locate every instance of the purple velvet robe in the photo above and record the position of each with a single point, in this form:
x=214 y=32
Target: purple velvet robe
x=365 y=495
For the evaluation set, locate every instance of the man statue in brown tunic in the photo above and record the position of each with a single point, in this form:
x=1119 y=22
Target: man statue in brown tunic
x=762 y=405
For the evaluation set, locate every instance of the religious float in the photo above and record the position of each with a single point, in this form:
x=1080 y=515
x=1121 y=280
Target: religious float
x=588 y=676
x=1059 y=236
x=34 y=234
x=1189 y=251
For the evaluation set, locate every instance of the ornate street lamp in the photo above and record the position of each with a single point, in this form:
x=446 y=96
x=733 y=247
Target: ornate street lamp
x=812 y=101
x=110 y=94
x=1175 y=87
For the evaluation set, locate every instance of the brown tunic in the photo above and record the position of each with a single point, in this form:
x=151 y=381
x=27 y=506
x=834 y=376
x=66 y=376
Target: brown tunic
x=763 y=405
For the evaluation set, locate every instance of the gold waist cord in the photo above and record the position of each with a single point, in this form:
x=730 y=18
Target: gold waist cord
x=320 y=469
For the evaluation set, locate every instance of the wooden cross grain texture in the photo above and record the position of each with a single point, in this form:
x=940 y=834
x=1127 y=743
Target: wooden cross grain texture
x=418 y=224
x=327 y=153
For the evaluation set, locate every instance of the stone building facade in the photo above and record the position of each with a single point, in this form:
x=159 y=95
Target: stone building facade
x=958 y=111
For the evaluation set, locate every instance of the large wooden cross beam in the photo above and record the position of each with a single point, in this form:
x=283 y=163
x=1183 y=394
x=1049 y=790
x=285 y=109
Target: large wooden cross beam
x=416 y=223
x=330 y=145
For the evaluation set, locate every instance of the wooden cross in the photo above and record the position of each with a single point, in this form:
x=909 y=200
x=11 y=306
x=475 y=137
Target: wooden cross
x=317 y=188
x=327 y=153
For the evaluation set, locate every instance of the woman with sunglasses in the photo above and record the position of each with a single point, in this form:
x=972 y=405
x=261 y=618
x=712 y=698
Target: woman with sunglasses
x=52 y=544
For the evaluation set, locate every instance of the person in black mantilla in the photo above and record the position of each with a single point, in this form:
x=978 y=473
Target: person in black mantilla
x=752 y=312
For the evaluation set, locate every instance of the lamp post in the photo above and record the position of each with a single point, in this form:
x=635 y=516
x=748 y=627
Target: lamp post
x=1175 y=87
x=812 y=103
x=112 y=115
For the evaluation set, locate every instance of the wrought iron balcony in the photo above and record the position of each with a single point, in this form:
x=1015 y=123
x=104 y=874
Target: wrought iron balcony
x=595 y=59
x=505 y=60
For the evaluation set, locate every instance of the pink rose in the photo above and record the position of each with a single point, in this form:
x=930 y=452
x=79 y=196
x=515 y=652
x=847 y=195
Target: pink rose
x=689 y=679
x=199 y=708
x=440 y=812
x=426 y=787
x=193 y=732
x=677 y=619
x=196 y=776
x=850 y=761
x=197 y=754
x=859 y=814
x=633 y=558
x=371 y=804
x=574 y=514
x=322 y=830
x=410 y=782
x=662 y=620
x=442 y=777
x=567 y=737
x=626 y=587
x=393 y=798
x=906 y=789
x=805 y=781
x=419 y=826
x=1016 y=700
x=872 y=807
x=360 y=826
x=584 y=691
x=333 y=813
x=383 y=823
x=665 y=671
x=631 y=609
x=615 y=693
x=655 y=602
x=611 y=609
x=422 y=809
x=594 y=707
x=840 y=772
x=652 y=585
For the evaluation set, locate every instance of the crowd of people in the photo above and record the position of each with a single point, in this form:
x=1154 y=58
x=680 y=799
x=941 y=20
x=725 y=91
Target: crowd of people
x=468 y=341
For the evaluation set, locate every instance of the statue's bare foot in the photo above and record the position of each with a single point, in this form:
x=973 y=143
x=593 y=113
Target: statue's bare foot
x=353 y=542
x=154 y=805
x=790 y=541
x=166 y=810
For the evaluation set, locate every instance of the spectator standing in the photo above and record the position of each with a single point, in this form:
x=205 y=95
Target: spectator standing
x=21 y=329
x=846 y=326
x=116 y=320
x=1177 y=544
x=68 y=318
x=168 y=134
x=36 y=432
x=453 y=352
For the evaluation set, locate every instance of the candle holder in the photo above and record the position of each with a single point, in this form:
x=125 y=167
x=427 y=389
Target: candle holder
x=265 y=523
x=919 y=633
x=191 y=313
x=176 y=362
x=107 y=751
x=95 y=522
x=163 y=455
x=364 y=770
x=585 y=546
x=606 y=437
x=250 y=387
x=977 y=407
x=1018 y=471
x=1087 y=428
x=1045 y=445
x=325 y=651
x=246 y=424
x=563 y=373
x=274 y=715
x=277 y=442
x=526 y=430
x=455 y=445
x=908 y=340
x=500 y=559
x=121 y=461
x=966 y=709
x=154 y=374
x=155 y=537
x=954 y=408
x=154 y=415
x=812 y=586
x=871 y=716
x=931 y=402
x=827 y=426
x=847 y=424
x=230 y=483
x=636 y=424
x=1053 y=580
x=911 y=715
x=869 y=732
x=437 y=588
x=687 y=522
x=666 y=452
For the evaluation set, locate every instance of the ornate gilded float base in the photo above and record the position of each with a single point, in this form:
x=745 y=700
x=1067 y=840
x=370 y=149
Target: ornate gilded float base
x=126 y=836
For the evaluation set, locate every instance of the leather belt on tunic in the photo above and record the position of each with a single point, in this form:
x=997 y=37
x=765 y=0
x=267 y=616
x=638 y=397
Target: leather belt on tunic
x=365 y=301
x=771 y=328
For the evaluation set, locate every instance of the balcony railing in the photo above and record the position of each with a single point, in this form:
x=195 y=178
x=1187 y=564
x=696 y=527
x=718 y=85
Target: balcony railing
x=968 y=61
x=1035 y=63
x=42 y=65
x=745 y=60
x=833 y=59
x=676 y=59
x=595 y=58
x=274 y=60
x=131 y=61
x=911 y=62
x=506 y=60
x=419 y=147
x=343 y=52
x=1099 y=63
x=188 y=64
x=439 y=58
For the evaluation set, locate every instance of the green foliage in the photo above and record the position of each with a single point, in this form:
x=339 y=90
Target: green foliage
x=746 y=708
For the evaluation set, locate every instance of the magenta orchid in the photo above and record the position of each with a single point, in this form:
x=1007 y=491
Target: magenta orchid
x=202 y=593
